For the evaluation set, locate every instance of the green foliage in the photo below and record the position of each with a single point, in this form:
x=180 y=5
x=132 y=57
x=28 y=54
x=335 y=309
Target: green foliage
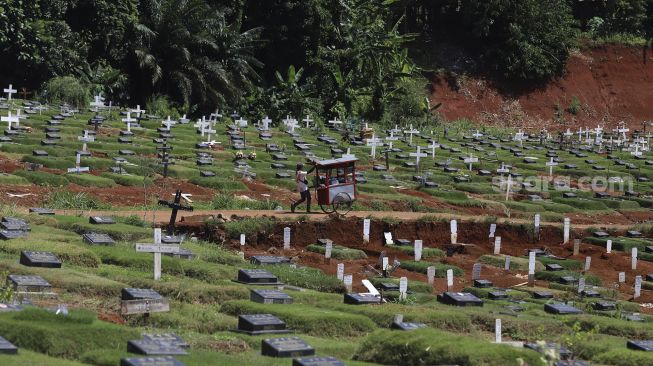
x=310 y=278
x=429 y=346
x=43 y=178
x=624 y=357
x=574 y=106
x=339 y=252
x=62 y=199
x=426 y=252
x=159 y=105
x=248 y=226
x=440 y=268
x=67 y=89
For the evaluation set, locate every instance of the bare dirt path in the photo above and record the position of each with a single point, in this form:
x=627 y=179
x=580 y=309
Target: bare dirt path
x=164 y=215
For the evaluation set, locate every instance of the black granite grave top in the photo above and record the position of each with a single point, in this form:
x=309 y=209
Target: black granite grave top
x=7 y=347
x=8 y=235
x=39 y=259
x=255 y=324
x=257 y=276
x=269 y=259
x=633 y=234
x=600 y=234
x=207 y=173
x=170 y=338
x=561 y=309
x=270 y=297
x=41 y=211
x=147 y=347
x=98 y=220
x=29 y=283
x=553 y=267
x=482 y=283
x=497 y=295
x=98 y=239
x=604 y=305
x=641 y=345
x=150 y=361
x=567 y=280
x=590 y=293
x=317 y=361
x=286 y=347
x=361 y=299
x=139 y=294
x=407 y=326
x=459 y=299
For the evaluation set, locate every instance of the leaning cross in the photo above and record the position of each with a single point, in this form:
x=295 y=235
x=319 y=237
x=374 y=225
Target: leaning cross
x=471 y=160
x=157 y=248
x=78 y=169
x=175 y=206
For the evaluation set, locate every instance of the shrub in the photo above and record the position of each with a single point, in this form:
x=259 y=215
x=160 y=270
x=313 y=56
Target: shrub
x=338 y=252
x=67 y=89
x=426 y=252
x=43 y=178
x=624 y=357
x=74 y=201
x=434 y=347
x=248 y=226
x=160 y=106
x=310 y=278
x=440 y=268
x=88 y=180
x=7 y=179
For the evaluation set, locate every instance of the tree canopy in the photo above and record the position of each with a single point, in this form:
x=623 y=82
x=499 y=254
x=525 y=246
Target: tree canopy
x=329 y=57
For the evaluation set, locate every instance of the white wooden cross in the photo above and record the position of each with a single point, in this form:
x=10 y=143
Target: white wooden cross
x=503 y=169
x=471 y=160
x=97 y=103
x=519 y=136
x=433 y=146
x=374 y=142
x=392 y=138
x=241 y=122
x=290 y=123
x=636 y=152
x=215 y=115
x=348 y=154
x=129 y=119
x=551 y=164
x=18 y=117
x=266 y=123
x=308 y=120
x=168 y=122
x=10 y=90
x=417 y=155
x=477 y=134
x=580 y=134
x=138 y=111
x=622 y=129
x=78 y=169
x=157 y=248
x=86 y=138
x=567 y=133
x=411 y=132
x=9 y=119
x=201 y=123
x=508 y=187
x=183 y=120
x=334 y=122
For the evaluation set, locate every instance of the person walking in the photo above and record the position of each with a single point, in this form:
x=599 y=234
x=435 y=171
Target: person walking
x=302 y=187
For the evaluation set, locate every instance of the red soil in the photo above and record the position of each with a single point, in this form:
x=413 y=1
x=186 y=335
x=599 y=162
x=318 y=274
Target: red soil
x=613 y=83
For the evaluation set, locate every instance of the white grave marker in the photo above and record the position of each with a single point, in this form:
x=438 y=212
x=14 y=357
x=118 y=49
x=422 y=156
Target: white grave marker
x=633 y=258
x=327 y=251
x=242 y=240
x=588 y=263
x=638 y=286
x=497 y=245
x=286 y=238
x=366 y=230
x=506 y=264
x=622 y=277
x=608 y=246
x=454 y=231
x=493 y=229
x=581 y=284
x=403 y=288
x=348 y=280
x=497 y=330
x=418 y=250
x=340 y=272
x=449 y=279
x=565 y=234
x=430 y=274
x=157 y=248
x=10 y=90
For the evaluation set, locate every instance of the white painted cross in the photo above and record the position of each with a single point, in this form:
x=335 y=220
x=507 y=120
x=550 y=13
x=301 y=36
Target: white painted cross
x=334 y=122
x=411 y=132
x=266 y=123
x=78 y=169
x=551 y=164
x=138 y=111
x=622 y=129
x=417 y=155
x=215 y=115
x=308 y=120
x=168 y=122
x=129 y=118
x=392 y=138
x=97 y=103
x=503 y=169
x=183 y=120
x=471 y=160
x=240 y=122
x=9 y=119
x=10 y=90
x=433 y=146
x=157 y=248
x=374 y=142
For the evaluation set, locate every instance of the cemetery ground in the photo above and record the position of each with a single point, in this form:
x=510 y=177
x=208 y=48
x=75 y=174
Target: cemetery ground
x=95 y=300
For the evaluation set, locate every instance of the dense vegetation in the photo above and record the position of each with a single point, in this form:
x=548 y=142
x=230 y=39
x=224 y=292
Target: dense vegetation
x=341 y=58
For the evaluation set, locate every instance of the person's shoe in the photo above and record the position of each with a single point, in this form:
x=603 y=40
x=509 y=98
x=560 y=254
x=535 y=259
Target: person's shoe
x=292 y=208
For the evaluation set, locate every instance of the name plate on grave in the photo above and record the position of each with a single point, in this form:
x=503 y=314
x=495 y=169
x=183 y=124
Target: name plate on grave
x=129 y=307
x=153 y=248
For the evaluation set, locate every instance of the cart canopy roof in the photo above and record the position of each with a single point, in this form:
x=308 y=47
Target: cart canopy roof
x=335 y=163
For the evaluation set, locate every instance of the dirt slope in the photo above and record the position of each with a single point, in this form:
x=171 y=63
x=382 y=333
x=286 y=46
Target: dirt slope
x=613 y=83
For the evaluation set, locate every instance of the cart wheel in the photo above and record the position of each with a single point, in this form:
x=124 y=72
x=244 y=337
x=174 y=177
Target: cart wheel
x=327 y=209
x=342 y=203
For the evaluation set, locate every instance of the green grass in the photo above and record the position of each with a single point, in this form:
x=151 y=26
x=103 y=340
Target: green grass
x=440 y=268
x=43 y=178
x=10 y=179
x=248 y=226
x=128 y=180
x=516 y=263
x=431 y=347
x=88 y=180
x=426 y=252
x=338 y=252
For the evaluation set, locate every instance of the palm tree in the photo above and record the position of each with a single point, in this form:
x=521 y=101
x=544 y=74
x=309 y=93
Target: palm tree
x=186 y=50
